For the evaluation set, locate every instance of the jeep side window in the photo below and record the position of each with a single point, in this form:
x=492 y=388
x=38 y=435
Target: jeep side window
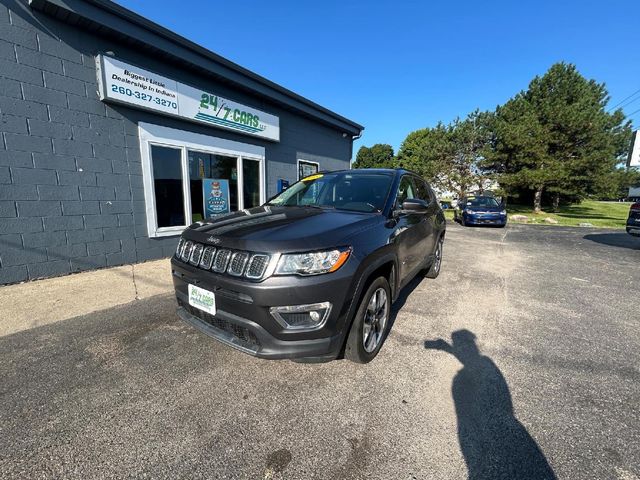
x=405 y=190
x=422 y=190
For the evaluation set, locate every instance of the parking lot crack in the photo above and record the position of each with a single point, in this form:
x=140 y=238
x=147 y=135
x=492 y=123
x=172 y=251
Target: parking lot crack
x=504 y=235
x=133 y=278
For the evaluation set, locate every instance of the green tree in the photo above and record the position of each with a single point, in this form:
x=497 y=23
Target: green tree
x=469 y=138
x=379 y=155
x=615 y=185
x=556 y=137
x=428 y=152
x=448 y=155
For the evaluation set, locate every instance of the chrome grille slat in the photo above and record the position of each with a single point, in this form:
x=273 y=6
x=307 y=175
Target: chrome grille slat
x=221 y=261
x=237 y=263
x=257 y=266
x=186 y=252
x=196 y=253
x=180 y=247
x=207 y=258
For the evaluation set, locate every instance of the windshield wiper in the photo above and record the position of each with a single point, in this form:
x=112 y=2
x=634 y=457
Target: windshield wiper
x=321 y=207
x=309 y=205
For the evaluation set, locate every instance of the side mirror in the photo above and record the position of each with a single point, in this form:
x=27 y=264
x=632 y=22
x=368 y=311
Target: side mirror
x=414 y=205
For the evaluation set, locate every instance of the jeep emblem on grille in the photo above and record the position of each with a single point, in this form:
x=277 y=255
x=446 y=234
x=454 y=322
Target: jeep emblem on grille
x=214 y=240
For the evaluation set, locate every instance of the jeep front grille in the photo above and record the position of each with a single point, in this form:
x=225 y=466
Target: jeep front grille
x=237 y=263
x=245 y=337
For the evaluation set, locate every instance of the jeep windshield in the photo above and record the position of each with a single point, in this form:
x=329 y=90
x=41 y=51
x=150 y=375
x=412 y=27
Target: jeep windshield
x=356 y=192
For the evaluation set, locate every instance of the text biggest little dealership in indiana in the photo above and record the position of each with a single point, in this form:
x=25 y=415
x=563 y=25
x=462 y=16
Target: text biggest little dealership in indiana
x=117 y=134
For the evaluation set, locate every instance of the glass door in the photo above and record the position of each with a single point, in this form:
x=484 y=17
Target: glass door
x=251 y=183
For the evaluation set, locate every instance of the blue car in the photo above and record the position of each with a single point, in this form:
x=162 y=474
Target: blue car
x=480 y=210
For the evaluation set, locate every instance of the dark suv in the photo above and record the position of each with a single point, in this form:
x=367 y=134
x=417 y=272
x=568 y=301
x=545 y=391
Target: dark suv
x=312 y=273
x=633 y=222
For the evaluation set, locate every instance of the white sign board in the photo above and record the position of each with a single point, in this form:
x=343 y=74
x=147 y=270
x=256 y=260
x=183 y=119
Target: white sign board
x=634 y=153
x=130 y=85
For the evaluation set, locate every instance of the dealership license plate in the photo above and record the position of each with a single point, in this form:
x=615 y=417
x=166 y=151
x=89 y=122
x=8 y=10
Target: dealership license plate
x=202 y=299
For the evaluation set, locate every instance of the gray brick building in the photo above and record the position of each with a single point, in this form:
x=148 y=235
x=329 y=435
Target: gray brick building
x=113 y=128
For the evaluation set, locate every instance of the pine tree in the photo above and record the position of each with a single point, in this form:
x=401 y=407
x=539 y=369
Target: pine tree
x=556 y=137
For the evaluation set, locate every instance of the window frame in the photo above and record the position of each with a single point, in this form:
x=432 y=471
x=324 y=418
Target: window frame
x=262 y=180
x=308 y=162
x=184 y=140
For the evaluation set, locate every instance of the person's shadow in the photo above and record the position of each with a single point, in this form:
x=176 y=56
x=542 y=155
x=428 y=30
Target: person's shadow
x=494 y=443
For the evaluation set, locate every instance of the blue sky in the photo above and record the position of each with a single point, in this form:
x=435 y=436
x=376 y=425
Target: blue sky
x=395 y=67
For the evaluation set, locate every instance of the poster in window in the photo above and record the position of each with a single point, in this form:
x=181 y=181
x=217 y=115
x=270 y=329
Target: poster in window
x=215 y=192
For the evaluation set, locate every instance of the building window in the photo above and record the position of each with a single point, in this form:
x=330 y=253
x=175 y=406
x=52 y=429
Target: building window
x=306 y=168
x=167 y=185
x=207 y=165
x=183 y=172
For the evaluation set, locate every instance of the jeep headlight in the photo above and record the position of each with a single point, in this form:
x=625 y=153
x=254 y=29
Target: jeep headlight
x=312 y=263
x=503 y=212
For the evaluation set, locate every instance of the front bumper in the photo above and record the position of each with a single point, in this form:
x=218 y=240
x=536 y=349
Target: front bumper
x=633 y=229
x=242 y=318
x=485 y=219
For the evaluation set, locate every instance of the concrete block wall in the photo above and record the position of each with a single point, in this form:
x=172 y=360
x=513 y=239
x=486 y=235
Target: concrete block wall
x=71 y=194
x=71 y=189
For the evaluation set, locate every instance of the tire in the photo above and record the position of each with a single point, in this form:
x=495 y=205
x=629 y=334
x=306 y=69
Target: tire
x=360 y=346
x=462 y=222
x=434 y=269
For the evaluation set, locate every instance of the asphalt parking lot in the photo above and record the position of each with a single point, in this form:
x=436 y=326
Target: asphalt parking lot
x=522 y=360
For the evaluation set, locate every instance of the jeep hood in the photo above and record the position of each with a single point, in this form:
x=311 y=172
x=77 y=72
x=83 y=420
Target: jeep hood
x=281 y=229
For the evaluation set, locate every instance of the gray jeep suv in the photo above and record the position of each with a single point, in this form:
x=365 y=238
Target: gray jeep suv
x=311 y=274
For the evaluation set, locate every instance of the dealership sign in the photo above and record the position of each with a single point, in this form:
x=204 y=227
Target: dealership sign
x=633 y=160
x=133 y=86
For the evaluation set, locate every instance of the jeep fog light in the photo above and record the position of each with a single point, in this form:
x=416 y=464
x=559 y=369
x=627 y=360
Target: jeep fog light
x=302 y=317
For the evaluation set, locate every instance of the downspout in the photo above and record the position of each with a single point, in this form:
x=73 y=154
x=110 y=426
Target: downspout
x=353 y=139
